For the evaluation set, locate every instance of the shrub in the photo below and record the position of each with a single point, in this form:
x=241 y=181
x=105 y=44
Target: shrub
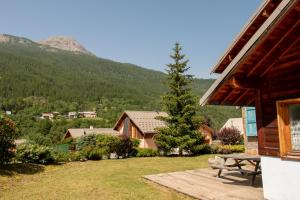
x=229 y=136
x=227 y=149
x=8 y=134
x=93 y=153
x=146 y=152
x=124 y=147
x=34 y=153
x=86 y=140
x=201 y=149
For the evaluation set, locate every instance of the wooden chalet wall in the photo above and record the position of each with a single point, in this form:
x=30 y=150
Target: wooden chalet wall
x=280 y=83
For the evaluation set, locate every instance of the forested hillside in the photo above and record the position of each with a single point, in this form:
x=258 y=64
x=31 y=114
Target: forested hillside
x=36 y=78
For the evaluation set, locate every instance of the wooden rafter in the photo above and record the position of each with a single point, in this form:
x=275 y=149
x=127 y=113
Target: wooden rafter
x=241 y=97
x=244 y=83
x=274 y=47
x=227 y=97
x=278 y=59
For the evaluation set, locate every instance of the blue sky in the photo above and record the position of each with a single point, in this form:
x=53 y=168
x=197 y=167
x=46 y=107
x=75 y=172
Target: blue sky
x=141 y=32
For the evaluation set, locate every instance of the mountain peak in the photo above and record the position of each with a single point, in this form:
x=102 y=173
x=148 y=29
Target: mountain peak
x=64 y=43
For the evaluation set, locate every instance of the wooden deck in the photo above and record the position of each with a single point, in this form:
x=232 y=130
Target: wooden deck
x=204 y=184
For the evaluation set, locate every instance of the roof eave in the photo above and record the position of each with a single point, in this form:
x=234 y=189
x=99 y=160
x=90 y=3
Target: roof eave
x=242 y=53
x=257 y=13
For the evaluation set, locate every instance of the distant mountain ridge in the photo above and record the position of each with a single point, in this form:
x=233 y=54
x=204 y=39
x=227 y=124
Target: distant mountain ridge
x=64 y=43
x=31 y=69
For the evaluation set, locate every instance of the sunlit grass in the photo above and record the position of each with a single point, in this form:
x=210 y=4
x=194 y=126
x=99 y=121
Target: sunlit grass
x=106 y=179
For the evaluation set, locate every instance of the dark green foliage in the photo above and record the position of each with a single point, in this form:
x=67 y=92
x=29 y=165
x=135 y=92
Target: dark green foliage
x=93 y=152
x=35 y=80
x=200 y=149
x=8 y=133
x=93 y=145
x=229 y=136
x=87 y=140
x=227 y=149
x=180 y=104
x=34 y=153
x=142 y=152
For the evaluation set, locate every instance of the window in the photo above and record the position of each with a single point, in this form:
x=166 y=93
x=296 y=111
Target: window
x=294 y=118
x=288 y=114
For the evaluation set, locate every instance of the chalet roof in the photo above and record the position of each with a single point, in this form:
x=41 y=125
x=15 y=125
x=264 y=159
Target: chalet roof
x=255 y=62
x=145 y=121
x=78 y=132
x=257 y=19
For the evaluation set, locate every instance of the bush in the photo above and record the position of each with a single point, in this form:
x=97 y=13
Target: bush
x=229 y=136
x=93 y=153
x=8 y=134
x=146 y=152
x=227 y=149
x=86 y=140
x=34 y=153
x=201 y=149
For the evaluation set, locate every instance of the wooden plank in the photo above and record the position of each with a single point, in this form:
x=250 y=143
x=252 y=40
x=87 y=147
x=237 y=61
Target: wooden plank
x=277 y=60
x=271 y=51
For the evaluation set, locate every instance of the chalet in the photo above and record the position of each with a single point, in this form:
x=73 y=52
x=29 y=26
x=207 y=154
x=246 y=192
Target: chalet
x=207 y=132
x=140 y=125
x=261 y=69
x=78 y=132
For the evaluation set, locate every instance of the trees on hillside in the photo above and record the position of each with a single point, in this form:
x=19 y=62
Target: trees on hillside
x=180 y=104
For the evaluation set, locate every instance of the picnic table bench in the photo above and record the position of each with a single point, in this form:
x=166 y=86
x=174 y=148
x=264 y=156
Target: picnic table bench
x=238 y=164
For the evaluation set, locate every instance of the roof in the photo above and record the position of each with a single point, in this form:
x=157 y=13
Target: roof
x=257 y=19
x=78 y=132
x=258 y=57
x=145 y=121
x=235 y=122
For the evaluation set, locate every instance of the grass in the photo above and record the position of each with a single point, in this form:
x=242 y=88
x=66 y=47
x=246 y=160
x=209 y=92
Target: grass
x=106 y=179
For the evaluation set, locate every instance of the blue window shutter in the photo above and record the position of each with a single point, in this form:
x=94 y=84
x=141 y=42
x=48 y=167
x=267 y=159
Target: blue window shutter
x=251 y=129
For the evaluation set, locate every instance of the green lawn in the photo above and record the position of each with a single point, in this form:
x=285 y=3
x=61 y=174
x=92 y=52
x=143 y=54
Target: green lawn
x=106 y=179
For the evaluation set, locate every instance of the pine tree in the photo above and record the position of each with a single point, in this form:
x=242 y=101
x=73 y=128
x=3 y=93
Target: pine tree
x=180 y=104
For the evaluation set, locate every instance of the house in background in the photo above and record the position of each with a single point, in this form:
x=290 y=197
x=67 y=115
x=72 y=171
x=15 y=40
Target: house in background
x=235 y=123
x=8 y=112
x=208 y=133
x=140 y=125
x=87 y=114
x=261 y=69
x=72 y=115
x=78 y=132
x=47 y=116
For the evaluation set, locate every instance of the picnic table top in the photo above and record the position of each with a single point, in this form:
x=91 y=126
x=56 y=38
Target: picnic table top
x=241 y=157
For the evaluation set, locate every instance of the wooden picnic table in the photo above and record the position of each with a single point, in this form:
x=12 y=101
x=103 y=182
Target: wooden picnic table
x=238 y=165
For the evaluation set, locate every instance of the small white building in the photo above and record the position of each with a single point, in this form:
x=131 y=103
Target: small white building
x=72 y=115
x=88 y=114
x=47 y=116
x=236 y=123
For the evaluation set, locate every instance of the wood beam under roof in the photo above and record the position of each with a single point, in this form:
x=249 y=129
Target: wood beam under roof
x=277 y=60
x=274 y=47
x=244 y=83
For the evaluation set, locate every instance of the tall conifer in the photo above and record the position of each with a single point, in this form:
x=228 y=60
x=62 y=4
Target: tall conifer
x=180 y=104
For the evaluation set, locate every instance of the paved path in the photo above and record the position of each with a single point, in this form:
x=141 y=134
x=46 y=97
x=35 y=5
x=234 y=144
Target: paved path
x=203 y=184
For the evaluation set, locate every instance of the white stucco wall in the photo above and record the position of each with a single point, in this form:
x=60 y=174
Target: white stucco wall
x=281 y=179
x=235 y=122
